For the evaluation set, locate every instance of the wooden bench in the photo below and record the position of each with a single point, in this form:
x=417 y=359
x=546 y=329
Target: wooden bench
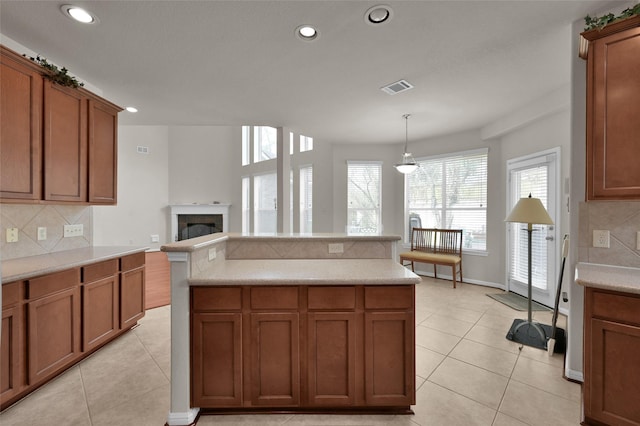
x=436 y=246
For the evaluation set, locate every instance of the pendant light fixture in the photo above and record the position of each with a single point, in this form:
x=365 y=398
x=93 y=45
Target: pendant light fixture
x=408 y=163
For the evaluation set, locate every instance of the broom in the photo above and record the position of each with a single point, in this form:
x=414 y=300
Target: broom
x=557 y=334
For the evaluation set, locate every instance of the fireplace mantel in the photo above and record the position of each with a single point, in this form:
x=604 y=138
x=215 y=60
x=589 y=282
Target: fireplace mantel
x=200 y=209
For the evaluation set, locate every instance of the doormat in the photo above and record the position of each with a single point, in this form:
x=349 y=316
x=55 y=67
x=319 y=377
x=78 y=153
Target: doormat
x=517 y=302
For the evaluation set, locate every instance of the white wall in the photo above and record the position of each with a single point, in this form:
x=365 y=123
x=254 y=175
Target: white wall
x=143 y=195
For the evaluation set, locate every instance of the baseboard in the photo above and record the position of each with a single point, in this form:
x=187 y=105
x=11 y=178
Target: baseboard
x=576 y=376
x=466 y=280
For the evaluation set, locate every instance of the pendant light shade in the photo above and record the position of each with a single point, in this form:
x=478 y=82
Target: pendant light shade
x=408 y=163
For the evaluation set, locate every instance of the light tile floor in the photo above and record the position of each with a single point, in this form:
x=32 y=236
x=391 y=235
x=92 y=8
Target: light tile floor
x=467 y=372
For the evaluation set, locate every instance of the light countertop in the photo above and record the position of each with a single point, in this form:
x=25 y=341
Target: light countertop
x=608 y=277
x=309 y=272
x=28 y=267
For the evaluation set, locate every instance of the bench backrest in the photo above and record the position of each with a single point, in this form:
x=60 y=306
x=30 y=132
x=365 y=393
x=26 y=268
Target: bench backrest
x=434 y=240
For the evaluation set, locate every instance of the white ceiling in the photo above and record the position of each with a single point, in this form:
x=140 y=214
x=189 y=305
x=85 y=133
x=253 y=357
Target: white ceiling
x=239 y=62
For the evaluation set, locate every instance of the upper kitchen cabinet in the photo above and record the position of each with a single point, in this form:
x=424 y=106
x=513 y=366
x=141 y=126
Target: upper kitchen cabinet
x=61 y=146
x=20 y=129
x=613 y=128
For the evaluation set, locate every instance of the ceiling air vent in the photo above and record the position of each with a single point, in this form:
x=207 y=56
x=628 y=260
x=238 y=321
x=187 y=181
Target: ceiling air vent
x=397 y=87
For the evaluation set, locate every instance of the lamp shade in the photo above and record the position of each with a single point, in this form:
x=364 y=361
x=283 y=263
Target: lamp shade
x=529 y=210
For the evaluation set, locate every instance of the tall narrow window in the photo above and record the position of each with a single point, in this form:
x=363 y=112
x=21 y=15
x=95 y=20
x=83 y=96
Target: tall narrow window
x=306 y=143
x=246 y=145
x=450 y=192
x=265 y=145
x=265 y=200
x=246 y=205
x=306 y=199
x=364 y=192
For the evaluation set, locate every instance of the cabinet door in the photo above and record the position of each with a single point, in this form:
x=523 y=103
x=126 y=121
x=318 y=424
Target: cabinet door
x=103 y=153
x=216 y=360
x=100 y=313
x=11 y=354
x=54 y=333
x=65 y=144
x=275 y=359
x=612 y=113
x=614 y=373
x=131 y=296
x=20 y=130
x=331 y=358
x=389 y=358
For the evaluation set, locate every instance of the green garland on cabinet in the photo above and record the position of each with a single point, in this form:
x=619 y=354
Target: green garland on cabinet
x=57 y=75
x=600 y=22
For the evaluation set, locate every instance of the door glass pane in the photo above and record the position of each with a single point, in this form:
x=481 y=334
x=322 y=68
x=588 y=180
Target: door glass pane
x=532 y=181
x=265 y=201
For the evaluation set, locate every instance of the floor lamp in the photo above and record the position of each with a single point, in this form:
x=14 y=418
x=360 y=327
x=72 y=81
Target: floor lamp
x=530 y=211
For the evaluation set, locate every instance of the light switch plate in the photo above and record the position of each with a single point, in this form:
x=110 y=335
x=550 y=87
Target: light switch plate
x=600 y=238
x=212 y=253
x=12 y=235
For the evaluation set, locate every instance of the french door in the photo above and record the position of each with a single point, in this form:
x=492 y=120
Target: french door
x=536 y=174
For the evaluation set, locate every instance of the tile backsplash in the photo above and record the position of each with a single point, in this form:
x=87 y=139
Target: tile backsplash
x=622 y=220
x=29 y=217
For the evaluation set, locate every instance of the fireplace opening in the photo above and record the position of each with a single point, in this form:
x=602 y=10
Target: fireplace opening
x=197 y=225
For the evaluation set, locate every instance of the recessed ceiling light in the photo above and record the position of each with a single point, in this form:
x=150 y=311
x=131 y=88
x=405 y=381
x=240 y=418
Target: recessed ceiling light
x=307 y=32
x=379 y=14
x=131 y=109
x=78 y=14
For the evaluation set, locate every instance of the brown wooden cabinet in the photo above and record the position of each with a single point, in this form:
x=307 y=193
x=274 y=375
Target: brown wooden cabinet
x=131 y=289
x=53 y=321
x=65 y=143
x=20 y=129
x=59 y=144
x=611 y=348
x=12 y=348
x=53 y=325
x=100 y=303
x=303 y=347
x=613 y=90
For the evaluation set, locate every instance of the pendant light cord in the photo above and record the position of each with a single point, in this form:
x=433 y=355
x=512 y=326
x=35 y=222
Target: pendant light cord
x=406 y=131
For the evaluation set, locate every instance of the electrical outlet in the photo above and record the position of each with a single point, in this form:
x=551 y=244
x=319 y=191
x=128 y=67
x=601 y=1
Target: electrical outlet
x=638 y=240
x=212 y=253
x=155 y=238
x=42 y=233
x=600 y=238
x=336 y=248
x=73 y=230
x=12 y=235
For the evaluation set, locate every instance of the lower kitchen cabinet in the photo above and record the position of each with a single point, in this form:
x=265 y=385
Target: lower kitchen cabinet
x=131 y=289
x=12 y=348
x=100 y=304
x=303 y=347
x=53 y=325
x=216 y=339
x=275 y=359
x=612 y=371
x=53 y=321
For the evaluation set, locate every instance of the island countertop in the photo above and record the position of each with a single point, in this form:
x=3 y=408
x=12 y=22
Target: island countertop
x=608 y=277
x=32 y=266
x=308 y=272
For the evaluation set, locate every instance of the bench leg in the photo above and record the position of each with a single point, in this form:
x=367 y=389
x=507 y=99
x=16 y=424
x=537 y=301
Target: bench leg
x=453 y=269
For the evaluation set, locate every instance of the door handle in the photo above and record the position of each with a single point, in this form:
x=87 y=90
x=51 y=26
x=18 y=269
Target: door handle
x=549 y=238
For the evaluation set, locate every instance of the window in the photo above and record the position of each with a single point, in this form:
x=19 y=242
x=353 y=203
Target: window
x=364 y=192
x=306 y=199
x=450 y=192
x=246 y=145
x=265 y=146
x=246 y=205
x=265 y=200
x=306 y=143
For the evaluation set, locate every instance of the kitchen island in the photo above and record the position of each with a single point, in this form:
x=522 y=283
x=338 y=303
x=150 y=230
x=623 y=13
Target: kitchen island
x=301 y=323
